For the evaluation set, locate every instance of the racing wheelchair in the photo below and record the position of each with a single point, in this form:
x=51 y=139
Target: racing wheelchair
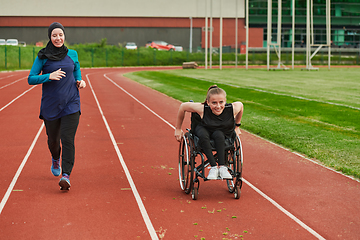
x=192 y=162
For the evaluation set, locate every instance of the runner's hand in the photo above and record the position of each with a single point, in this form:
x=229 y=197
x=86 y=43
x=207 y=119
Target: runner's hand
x=57 y=75
x=81 y=84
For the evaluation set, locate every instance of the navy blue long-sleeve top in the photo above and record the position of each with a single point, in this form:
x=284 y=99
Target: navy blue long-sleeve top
x=59 y=97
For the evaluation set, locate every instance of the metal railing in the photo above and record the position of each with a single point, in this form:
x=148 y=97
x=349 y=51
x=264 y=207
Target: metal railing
x=15 y=58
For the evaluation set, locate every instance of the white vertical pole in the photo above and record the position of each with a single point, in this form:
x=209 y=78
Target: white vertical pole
x=311 y=22
x=279 y=28
x=236 y=33
x=211 y=32
x=247 y=34
x=307 y=34
x=269 y=24
x=191 y=31
x=206 y=36
x=328 y=30
x=293 y=34
x=221 y=33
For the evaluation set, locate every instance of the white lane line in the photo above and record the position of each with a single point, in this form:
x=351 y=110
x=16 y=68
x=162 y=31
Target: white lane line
x=139 y=102
x=17 y=98
x=12 y=83
x=13 y=182
x=141 y=206
x=287 y=213
x=245 y=181
x=1 y=78
x=298 y=154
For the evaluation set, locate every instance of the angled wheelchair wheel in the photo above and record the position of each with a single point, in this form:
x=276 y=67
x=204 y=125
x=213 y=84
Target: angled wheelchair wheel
x=231 y=164
x=192 y=157
x=185 y=171
x=239 y=167
x=235 y=164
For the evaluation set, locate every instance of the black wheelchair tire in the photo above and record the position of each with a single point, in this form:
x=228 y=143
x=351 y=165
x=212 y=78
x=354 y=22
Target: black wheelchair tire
x=237 y=192
x=195 y=193
x=235 y=162
x=185 y=178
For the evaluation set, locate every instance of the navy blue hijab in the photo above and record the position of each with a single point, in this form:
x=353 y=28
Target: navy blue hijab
x=50 y=51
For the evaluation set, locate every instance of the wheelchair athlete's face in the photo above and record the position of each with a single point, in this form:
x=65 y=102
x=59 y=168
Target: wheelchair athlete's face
x=217 y=103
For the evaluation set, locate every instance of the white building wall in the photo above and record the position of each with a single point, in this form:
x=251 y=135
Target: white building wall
x=121 y=8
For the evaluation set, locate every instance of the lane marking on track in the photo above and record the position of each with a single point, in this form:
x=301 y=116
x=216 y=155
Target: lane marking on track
x=140 y=102
x=12 y=83
x=287 y=213
x=136 y=194
x=17 y=98
x=1 y=78
x=13 y=182
x=298 y=154
x=278 y=206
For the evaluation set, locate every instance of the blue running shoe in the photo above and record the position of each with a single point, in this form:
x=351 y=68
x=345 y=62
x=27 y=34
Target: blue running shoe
x=64 y=182
x=55 y=167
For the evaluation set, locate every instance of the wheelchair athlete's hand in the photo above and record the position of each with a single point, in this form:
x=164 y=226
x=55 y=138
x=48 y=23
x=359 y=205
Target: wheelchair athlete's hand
x=178 y=134
x=238 y=132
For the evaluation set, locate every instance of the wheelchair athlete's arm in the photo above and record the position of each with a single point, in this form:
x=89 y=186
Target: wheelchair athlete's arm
x=238 y=108
x=186 y=107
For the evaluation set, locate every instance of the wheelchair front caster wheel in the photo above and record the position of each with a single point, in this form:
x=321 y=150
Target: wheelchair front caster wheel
x=195 y=193
x=237 y=192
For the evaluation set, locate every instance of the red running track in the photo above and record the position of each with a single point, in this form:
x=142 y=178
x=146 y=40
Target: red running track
x=125 y=180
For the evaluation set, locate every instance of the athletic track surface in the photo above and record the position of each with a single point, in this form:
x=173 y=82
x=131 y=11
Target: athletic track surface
x=125 y=180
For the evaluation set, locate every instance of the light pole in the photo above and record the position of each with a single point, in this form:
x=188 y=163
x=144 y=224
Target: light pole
x=191 y=30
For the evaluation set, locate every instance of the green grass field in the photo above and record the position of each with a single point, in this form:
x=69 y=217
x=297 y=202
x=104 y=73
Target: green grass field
x=315 y=113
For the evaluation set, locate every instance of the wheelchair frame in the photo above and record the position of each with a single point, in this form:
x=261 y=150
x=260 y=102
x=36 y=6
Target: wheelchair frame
x=189 y=172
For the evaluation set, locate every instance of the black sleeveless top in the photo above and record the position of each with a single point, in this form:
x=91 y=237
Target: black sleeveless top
x=224 y=122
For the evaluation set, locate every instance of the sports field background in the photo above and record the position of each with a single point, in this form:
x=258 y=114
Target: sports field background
x=315 y=113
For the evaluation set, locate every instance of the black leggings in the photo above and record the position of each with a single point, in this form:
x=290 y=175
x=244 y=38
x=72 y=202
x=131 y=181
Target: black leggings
x=63 y=129
x=204 y=141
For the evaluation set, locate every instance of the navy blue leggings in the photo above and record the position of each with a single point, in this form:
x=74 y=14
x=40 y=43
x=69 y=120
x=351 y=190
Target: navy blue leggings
x=64 y=130
x=204 y=141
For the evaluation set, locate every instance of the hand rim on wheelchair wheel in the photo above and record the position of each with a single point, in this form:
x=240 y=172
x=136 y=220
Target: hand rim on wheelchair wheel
x=186 y=164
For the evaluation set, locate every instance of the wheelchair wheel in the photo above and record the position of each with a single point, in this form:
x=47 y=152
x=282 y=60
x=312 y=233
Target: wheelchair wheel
x=235 y=164
x=230 y=164
x=185 y=174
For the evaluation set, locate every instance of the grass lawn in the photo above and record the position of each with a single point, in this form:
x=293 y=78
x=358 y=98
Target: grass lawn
x=315 y=113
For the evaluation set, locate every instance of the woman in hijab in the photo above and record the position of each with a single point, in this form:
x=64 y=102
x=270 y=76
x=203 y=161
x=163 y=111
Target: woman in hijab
x=57 y=68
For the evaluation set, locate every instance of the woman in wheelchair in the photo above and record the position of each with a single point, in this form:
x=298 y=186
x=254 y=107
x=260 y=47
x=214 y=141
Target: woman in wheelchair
x=218 y=121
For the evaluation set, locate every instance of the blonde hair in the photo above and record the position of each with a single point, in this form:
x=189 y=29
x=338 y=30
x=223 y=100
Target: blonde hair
x=214 y=89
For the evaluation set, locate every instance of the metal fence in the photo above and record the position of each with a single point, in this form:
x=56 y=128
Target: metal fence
x=14 y=57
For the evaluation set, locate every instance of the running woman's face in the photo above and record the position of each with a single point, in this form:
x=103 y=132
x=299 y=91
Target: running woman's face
x=217 y=103
x=57 y=37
